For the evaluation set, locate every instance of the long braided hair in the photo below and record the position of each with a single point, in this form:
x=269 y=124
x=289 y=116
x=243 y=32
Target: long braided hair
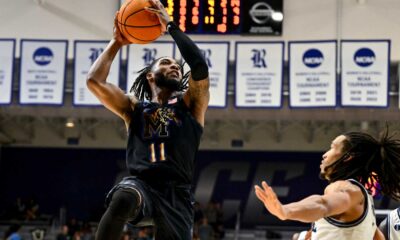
x=371 y=161
x=141 y=87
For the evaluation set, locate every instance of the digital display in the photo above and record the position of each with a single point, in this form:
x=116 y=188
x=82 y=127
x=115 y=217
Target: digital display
x=227 y=16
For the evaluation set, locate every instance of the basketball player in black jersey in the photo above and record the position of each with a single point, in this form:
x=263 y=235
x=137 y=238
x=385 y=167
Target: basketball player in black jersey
x=164 y=118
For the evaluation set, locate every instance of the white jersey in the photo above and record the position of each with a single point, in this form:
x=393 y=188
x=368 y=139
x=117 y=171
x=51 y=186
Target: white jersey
x=393 y=225
x=361 y=229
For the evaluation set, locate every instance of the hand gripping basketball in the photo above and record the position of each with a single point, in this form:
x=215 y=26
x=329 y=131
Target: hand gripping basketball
x=117 y=33
x=159 y=9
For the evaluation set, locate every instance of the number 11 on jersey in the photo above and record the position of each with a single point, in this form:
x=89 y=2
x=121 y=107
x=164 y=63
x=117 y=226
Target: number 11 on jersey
x=154 y=149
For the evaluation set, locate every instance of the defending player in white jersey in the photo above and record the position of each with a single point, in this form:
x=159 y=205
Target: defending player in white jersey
x=345 y=211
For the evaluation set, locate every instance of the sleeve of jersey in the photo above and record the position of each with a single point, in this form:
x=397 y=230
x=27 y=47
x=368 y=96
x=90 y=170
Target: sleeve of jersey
x=190 y=52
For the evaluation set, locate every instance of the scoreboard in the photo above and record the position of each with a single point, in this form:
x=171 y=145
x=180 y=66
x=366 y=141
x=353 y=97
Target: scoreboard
x=227 y=16
x=212 y=16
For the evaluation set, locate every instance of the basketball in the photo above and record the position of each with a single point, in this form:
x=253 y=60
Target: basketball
x=136 y=24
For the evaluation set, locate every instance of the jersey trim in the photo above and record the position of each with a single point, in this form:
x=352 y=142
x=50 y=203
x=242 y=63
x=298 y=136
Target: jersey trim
x=361 y=218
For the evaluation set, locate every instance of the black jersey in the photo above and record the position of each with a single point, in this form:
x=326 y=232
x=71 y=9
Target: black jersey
x=162 y=142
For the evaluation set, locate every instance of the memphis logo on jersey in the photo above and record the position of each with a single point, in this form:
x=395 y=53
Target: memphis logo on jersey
x=157 y=122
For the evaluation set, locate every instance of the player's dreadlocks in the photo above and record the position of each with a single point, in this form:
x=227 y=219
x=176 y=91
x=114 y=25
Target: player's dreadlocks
x=370 y=160
x=141 y=87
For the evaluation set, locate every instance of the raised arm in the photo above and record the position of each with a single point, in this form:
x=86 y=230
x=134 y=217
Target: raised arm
x=111 y=96
x=338 y=198
x=197 y=96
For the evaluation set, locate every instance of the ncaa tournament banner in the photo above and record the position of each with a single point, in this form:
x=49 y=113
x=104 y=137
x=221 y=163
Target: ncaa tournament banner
x=259 y=74
x=312 y=73
x=7 y=53
x=365 y=73
x=216 y=55
x=85 y=54
x=43 y=67
x=140 y=56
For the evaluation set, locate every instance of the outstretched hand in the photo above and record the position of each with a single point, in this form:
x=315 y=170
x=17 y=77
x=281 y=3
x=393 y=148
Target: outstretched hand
x=117 y=35
x=159 y=9
x=270 y=200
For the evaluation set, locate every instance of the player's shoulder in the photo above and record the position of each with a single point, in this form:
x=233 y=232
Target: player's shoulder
x=343 y=186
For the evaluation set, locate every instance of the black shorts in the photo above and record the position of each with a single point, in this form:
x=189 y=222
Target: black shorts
x=167 y=206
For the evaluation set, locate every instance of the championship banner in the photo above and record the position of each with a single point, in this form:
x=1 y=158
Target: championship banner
x=216 y=55
x=312 y=73
x=140 y=56
x=7 y=53
x=85 y=54
x=259 y=74
x=365 y=73
x=42 y=76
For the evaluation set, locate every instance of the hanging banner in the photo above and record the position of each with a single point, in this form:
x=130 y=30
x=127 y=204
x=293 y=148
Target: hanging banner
x=216 y=55
x=42 y=73
x=7 y=53
x=85 y=54
x=312 y=74
x=365 y=73
x=259 y=74
x=140 y=56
